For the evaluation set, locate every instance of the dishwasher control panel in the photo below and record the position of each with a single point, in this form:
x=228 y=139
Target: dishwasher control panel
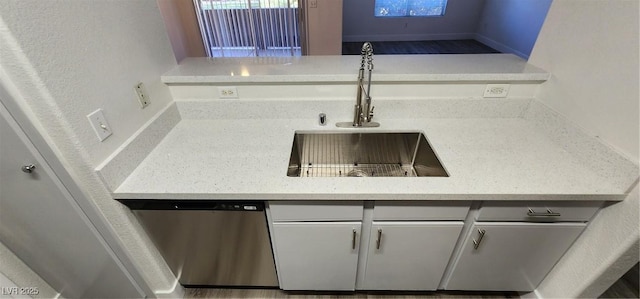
x=218 y=205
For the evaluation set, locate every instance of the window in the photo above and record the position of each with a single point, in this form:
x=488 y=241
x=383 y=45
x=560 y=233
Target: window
x=410 y=8
x=243 y=4
x=249 y=27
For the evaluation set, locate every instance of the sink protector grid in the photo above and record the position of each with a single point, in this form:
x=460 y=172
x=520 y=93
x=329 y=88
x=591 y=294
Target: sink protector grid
x=363 y=154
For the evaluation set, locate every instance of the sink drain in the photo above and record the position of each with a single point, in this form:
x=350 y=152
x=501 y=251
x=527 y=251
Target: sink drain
x=358 y=172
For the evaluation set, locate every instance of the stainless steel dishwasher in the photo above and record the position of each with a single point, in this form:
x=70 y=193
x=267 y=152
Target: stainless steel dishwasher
x=210 y=243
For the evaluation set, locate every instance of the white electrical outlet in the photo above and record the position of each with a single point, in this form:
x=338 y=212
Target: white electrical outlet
x=228 y=92
x=143 y=97
x=99 y=124
x=496 y=91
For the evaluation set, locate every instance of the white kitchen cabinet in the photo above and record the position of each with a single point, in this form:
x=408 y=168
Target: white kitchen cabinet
x=287 y=211
x=409 y=255
x=317 y=255
x=513 y=256
x=420 y=210
x=540 y=211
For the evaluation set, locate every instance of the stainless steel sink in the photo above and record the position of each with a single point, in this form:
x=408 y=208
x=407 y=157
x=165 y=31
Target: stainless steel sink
x=320 y=154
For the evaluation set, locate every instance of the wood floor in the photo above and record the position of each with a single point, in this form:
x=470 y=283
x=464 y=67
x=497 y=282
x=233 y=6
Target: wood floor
x=467 y=46
x=278 y=294
x=628 y=286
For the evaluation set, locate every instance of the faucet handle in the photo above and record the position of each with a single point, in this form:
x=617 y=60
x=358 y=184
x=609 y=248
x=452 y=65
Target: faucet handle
x=371 y=112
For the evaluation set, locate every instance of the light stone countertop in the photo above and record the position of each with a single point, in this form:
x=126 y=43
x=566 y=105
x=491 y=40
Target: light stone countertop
x=501 y=68
x=247 y=159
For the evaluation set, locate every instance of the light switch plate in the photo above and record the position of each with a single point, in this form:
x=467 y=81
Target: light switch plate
x=496 y=90
x=99 y=124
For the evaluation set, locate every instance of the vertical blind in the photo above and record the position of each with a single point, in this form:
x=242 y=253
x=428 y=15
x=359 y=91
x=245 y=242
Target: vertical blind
x=232 y=28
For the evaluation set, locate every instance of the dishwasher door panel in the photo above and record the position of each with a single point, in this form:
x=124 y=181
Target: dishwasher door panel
x=213 y=248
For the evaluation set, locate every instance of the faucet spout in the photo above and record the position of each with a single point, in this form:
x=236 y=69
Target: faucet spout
x=363 y=112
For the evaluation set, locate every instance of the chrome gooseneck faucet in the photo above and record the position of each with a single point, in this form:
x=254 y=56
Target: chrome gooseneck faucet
x=363 y=113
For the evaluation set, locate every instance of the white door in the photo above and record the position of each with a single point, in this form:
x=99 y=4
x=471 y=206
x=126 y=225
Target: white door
x=42 y=224
x=317 y=255
x=511 y=256
x=409 y=255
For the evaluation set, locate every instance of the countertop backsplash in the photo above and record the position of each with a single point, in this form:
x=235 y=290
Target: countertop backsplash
x=511 y=148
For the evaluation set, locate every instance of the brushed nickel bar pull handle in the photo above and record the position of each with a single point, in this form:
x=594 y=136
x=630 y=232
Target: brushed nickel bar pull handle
x=531 y=213
x=476 y=244
x=353 y=240
x=379 y=240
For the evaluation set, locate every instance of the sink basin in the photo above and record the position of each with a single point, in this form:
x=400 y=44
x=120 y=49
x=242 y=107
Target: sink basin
x=321 y=154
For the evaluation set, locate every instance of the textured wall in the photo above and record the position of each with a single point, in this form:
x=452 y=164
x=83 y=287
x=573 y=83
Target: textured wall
x=89 y=55
x=63 y=59
x=591 y=48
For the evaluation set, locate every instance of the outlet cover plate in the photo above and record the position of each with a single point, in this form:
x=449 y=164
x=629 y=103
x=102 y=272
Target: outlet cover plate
x=496 y=91
x=228 y=92
x=143 y=96
x=99 y=124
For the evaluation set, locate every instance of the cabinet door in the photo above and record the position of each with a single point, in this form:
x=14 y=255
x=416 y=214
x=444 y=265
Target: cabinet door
x=43 y=225
x=317 y=255
x=510 y=256
x=409 y=255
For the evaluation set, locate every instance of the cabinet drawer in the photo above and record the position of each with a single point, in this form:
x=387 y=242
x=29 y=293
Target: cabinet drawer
x=420 y=210
x=538 y=211
x=315 y=210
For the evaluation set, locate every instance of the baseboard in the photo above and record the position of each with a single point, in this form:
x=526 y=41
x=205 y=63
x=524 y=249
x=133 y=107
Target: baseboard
x=16 y=275
x=531 y=295
x=406 y=37
x=177 y=291
x=499 y=46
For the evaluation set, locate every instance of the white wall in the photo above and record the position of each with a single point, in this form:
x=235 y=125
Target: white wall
x=89 y=55
x=591 y=48
x=512 y=26
x=183 y=28
x=459 y=22
x=64 y=59
x=324 y=28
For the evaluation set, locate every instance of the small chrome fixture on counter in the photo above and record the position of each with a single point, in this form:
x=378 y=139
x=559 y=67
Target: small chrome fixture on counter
x=363 y=113
x=322 y=119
